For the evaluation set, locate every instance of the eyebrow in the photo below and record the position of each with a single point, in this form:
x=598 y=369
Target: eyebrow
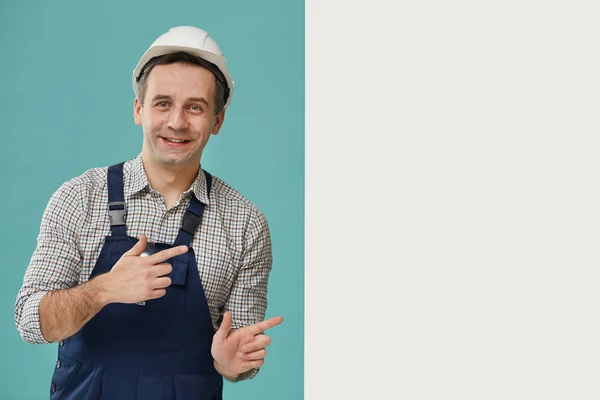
x=167 y=97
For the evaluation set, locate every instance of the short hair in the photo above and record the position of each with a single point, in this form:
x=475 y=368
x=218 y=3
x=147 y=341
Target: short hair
x=221 y=88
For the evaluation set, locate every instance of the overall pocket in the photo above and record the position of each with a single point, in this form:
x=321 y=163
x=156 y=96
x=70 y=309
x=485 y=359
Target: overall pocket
x=63 y=374
x=73 y=380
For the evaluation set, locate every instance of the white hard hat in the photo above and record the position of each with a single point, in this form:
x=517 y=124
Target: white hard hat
x=191 y=40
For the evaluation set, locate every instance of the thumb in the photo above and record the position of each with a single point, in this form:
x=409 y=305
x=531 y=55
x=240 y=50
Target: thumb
x=225 y=327
x=138 y=248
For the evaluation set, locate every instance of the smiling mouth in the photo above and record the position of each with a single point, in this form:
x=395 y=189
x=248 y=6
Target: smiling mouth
x=174 y=140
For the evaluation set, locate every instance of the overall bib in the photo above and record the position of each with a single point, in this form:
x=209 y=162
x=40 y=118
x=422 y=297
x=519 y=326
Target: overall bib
x=159 y=350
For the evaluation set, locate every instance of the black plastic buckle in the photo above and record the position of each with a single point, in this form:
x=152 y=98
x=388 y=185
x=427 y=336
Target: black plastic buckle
x=117 y=213
x=190 y=222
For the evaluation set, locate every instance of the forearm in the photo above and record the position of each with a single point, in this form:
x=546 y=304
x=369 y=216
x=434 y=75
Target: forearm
x=64 y=312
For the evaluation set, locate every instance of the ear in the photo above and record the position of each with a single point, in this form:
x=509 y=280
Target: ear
x=137 y=112
x=220 y=117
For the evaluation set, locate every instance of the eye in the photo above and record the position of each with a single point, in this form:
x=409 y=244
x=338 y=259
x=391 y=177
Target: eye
x=162 y=104
x=195 y=108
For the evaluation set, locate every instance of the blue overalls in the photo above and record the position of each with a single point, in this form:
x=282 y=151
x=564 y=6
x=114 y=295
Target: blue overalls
x=160 y=350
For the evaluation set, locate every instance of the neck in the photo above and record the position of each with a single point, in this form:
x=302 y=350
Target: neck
x=170 y=180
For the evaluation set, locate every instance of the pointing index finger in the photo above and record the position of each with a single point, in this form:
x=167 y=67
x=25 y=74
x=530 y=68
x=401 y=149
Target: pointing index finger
x=259 y=328
x=164 y=255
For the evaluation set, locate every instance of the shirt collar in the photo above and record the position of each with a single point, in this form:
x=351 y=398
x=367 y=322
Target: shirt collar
x=199 y=187
x=134 y=177
x=135 y=180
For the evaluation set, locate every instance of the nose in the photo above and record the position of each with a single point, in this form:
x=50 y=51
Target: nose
x=177 y=120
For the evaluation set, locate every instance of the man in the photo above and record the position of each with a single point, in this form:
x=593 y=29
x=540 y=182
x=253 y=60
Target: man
x=152 y=274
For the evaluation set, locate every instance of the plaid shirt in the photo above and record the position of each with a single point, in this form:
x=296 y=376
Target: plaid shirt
x=232 y=245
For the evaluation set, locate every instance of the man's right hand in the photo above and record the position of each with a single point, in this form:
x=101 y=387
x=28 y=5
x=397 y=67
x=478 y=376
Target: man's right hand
x=133 y=278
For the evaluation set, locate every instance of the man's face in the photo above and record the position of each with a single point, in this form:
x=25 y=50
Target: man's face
x=178 y=115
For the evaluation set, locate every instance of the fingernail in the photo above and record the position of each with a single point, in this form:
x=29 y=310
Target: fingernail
x=183 y=249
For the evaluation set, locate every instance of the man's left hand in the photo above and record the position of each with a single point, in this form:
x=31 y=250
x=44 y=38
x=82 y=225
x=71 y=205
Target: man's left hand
x=240 y=350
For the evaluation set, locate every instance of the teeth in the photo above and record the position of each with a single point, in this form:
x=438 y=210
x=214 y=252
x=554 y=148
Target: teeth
x=175 y=141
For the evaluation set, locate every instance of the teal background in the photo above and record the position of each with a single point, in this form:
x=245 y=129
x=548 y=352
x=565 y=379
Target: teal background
x=66 y=105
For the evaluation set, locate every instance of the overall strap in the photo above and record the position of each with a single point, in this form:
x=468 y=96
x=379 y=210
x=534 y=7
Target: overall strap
x=192 y=217
x=116 y=201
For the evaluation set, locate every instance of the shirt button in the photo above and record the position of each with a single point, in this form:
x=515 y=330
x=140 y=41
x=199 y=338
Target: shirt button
x=53 y=387
x=61 y=343
x=58 y=364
